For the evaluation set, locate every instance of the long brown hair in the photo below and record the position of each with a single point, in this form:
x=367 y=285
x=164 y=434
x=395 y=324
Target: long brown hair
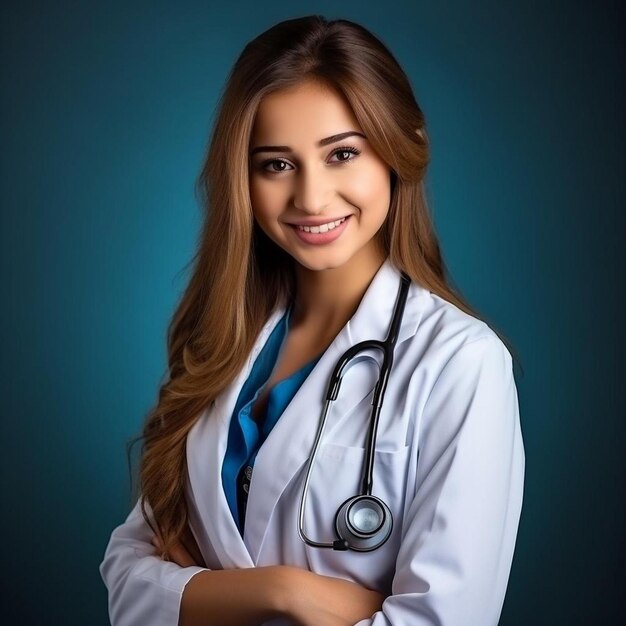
x=238 y=274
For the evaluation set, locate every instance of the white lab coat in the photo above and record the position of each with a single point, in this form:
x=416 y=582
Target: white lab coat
x=449 y=463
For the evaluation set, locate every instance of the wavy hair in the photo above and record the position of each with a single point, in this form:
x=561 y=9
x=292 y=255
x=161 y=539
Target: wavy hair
x=238 y=274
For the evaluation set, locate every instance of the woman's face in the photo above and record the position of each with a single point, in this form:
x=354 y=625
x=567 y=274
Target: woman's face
x=295 y=180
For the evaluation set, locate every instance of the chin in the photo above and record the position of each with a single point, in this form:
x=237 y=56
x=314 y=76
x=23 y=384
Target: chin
x=324 y=261
x=317 y=267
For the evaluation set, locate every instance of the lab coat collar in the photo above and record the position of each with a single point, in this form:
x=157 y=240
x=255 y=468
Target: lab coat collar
x=292 y=437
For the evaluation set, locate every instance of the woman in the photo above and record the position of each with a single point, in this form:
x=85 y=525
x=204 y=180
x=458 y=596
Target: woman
x=318 y=126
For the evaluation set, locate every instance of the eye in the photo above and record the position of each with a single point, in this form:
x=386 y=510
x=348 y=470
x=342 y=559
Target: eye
x=342 y=150
x=271 y=162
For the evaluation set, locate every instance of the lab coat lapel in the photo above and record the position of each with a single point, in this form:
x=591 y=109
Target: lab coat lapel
x=289 y=443
x=206 y=448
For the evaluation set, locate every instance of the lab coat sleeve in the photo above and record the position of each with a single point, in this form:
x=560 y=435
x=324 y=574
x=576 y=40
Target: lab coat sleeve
x=458 y=534
x=142 y=588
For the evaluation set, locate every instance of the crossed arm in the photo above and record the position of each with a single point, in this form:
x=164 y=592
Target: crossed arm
x=242 y=597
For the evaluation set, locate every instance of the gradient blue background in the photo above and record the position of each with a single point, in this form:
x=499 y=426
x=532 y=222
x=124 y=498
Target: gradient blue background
x=105 y=115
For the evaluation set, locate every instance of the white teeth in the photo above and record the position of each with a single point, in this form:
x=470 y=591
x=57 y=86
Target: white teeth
x=322 y=228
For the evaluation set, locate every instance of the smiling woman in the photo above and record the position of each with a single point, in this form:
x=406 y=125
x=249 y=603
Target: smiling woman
x=318 y=244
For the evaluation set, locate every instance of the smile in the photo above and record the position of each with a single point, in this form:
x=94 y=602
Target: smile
x=322 y=228
x=322 y=234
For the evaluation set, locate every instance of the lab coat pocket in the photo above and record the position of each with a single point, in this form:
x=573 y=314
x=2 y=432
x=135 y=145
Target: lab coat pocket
x=335 y=477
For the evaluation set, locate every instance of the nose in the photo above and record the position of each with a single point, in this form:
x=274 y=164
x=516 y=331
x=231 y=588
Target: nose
x=313 y=190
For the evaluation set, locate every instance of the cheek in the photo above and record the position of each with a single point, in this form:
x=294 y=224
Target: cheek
x=370 y=191
x=263 y=200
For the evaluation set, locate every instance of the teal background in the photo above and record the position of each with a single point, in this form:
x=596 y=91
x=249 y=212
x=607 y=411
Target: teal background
x=105 y=115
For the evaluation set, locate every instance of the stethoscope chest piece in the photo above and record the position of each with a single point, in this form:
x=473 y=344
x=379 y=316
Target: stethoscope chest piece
x=364 y=522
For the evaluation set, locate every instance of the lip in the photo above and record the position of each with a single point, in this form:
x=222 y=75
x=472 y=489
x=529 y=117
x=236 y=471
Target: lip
x=317 y=239
x=317 y=222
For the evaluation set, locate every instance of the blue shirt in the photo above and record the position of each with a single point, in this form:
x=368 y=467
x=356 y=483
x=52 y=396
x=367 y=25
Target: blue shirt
x=245 y=435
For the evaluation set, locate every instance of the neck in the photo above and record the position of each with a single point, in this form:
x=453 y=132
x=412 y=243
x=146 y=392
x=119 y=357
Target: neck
x=326 y=299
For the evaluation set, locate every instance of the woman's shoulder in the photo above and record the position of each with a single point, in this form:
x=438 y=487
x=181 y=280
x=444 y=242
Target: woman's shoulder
x=444 y=329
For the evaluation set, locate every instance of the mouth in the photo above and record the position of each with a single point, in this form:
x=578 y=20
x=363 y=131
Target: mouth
x=322 y=234
x=321 y=228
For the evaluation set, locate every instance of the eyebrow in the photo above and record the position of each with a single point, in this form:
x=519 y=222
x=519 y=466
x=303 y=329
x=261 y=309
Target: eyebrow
x=321 y=143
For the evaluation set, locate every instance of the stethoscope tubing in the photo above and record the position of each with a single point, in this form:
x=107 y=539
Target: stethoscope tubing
x=387 y=349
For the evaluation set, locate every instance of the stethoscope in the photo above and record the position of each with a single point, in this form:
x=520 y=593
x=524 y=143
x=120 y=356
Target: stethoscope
x=363 y=522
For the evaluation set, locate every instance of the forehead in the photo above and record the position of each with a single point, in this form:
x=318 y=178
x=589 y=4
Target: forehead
x=306 y=112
